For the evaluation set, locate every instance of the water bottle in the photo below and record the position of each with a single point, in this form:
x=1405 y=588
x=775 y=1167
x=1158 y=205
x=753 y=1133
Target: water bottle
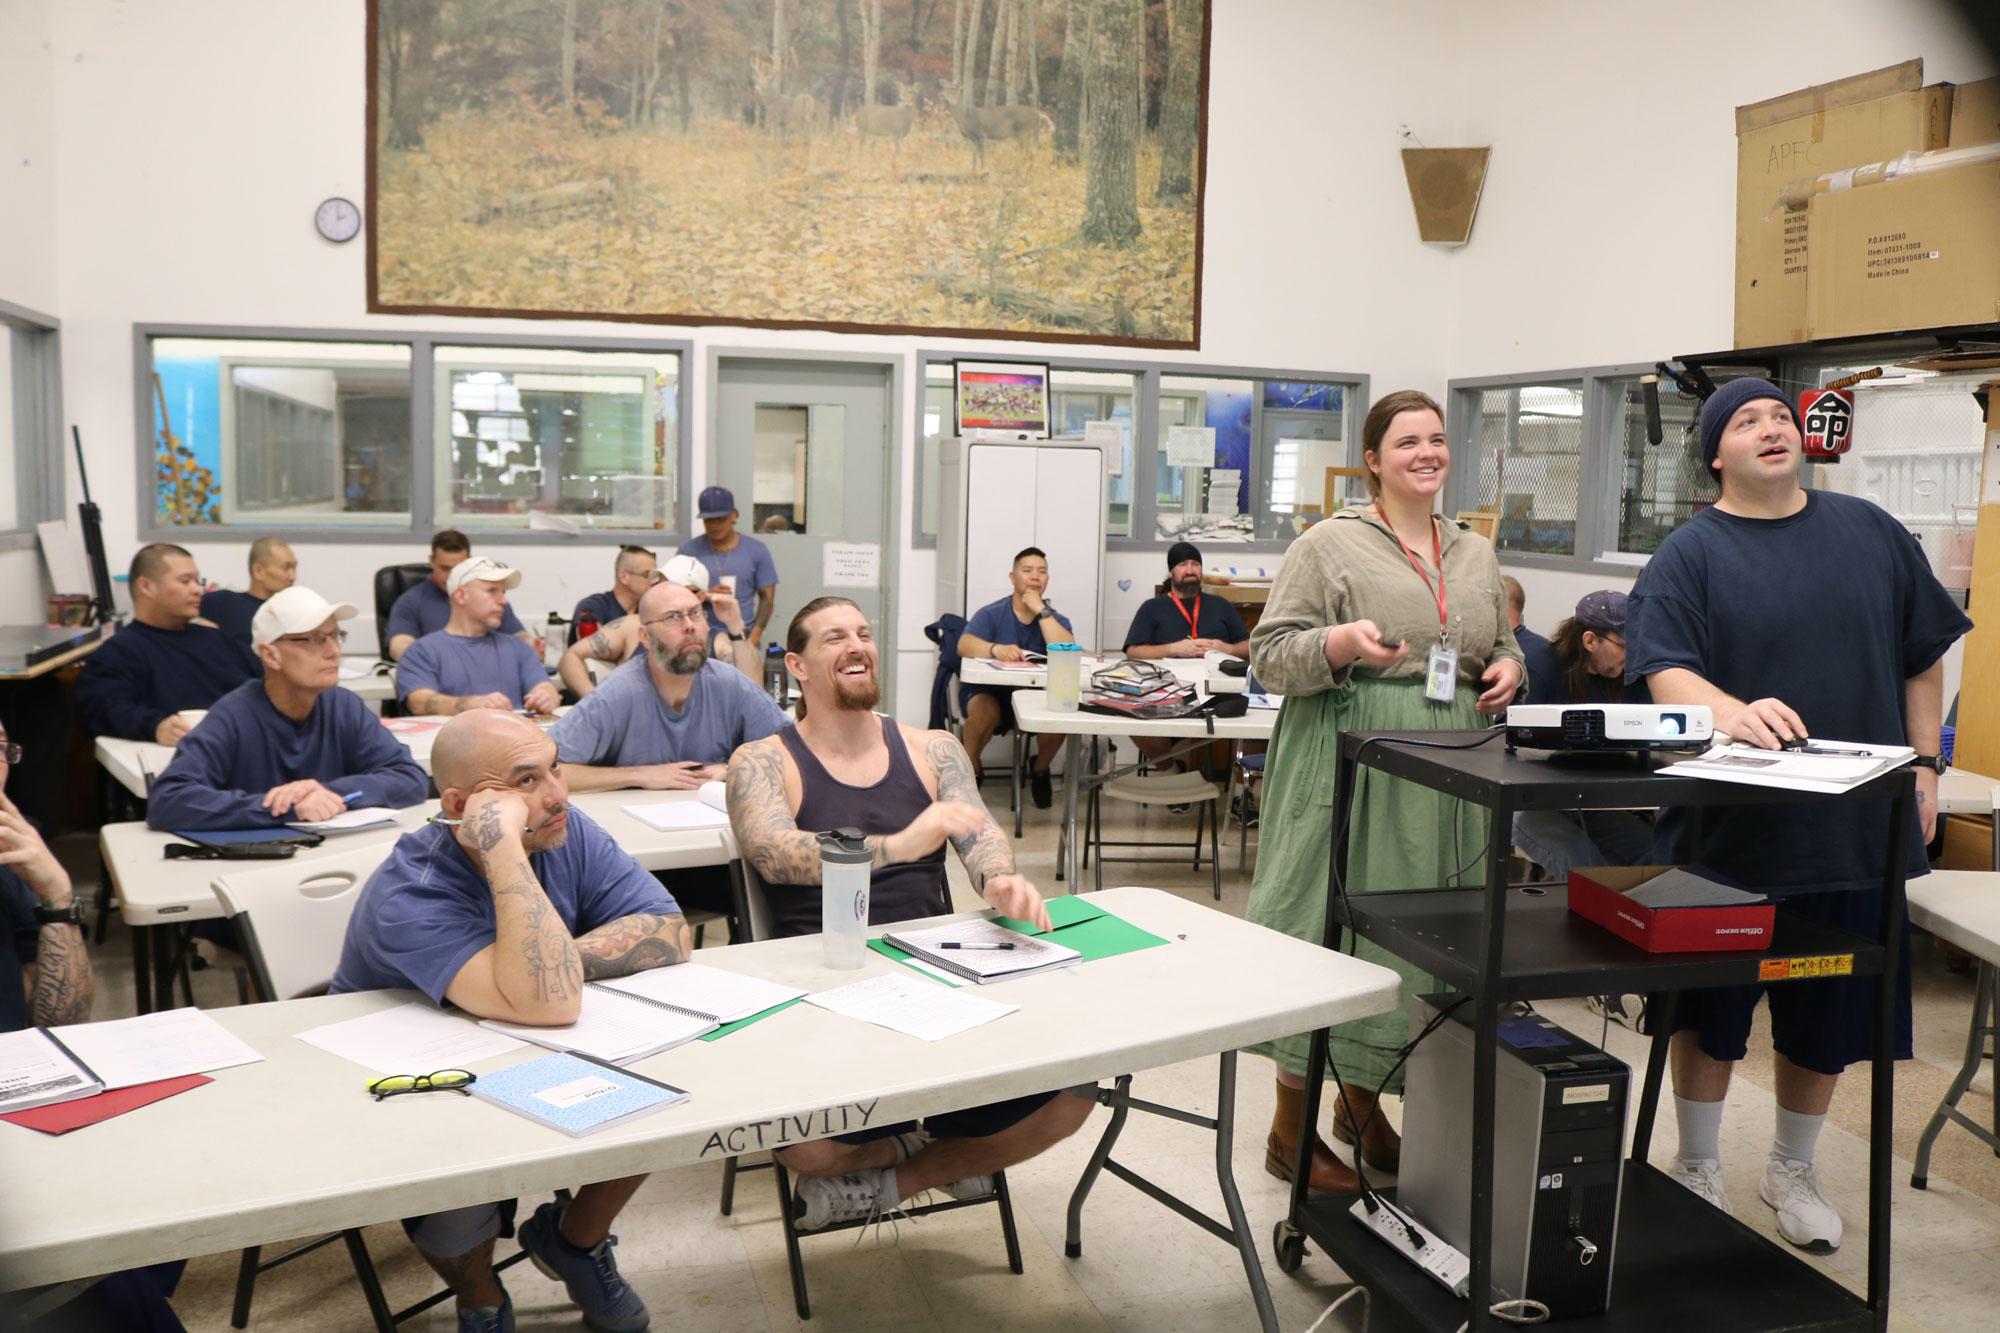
x=843 y=897
x=777 y=680
x=1065 y=677
x=553 y=637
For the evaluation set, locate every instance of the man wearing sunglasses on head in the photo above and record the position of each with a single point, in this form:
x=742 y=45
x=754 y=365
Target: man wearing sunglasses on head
x=292 y=746
x=504 y=910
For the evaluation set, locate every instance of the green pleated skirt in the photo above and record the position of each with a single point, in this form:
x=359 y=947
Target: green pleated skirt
x=1403 y=837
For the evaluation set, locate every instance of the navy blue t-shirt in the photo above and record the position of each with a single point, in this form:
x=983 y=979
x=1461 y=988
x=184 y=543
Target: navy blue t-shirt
x=1831 y=610
x=996 y=623
x=140 y=674
x=19 y=937
x=231 y=611
x=1160 y=620
x=601 y=606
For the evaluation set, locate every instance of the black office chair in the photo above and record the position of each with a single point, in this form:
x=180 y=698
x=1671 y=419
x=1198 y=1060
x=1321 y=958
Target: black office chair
x=753 y=909
x=391 y=582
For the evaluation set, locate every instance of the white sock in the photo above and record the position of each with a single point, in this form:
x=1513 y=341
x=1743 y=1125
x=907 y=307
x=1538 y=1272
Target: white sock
x=1797 y=1136
x=1700 y=1130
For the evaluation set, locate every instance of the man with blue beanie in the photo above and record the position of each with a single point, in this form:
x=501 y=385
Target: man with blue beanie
x=1790 y=613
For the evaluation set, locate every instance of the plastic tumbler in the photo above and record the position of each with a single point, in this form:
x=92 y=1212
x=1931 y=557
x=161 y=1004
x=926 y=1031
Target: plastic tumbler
x=843 y=897
x=1065 y=677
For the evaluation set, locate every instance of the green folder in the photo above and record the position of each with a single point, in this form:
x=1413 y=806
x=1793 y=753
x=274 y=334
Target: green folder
x=758 y=1017
x=1079 y=924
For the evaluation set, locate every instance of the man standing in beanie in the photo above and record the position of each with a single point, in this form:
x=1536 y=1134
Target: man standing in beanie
x=1181 y=622
x=1790 y=613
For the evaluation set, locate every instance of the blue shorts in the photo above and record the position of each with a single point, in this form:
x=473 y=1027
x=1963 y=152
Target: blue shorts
x=1823 y=1025
x=1002 y=697
x=974 y=1122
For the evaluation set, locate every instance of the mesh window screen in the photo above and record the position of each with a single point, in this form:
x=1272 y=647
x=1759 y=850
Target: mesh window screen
x=1529 y=443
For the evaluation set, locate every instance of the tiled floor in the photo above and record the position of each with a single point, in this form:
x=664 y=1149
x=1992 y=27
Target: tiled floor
x=1142 y=1268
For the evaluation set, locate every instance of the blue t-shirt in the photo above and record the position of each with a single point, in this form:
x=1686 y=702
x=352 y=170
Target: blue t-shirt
x=427 y=909
x=749 y=560
x=460 y=664
x=624 y=722
x=996 y=623
x=1159 y=620
x=1831 y=610
x=19 y=939
x=141 y=674
x=426 y=609
x=245 y=746
x=231 y=611
x=603 y=607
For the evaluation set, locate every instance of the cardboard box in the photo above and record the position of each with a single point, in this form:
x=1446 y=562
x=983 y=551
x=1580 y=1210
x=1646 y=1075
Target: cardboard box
x=1975 y=113
x=1828 y=127
x=1597 y=893
x=1917 y=253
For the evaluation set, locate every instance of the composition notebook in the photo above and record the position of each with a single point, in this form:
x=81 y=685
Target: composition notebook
x=575 y=1094
x=630 y=1018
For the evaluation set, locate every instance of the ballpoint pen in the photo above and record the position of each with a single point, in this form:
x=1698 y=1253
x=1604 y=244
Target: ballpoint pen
x=953 y=944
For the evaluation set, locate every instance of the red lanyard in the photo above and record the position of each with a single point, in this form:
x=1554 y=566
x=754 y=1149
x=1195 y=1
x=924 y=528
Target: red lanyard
x=1192 y=620
x=1437 y=558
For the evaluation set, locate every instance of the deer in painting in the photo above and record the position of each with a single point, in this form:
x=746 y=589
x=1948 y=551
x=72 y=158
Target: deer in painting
x=888 y=122
x=983 y=124
x=780 y=112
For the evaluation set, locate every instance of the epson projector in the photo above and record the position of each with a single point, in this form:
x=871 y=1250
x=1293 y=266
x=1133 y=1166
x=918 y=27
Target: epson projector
x=1609 y=727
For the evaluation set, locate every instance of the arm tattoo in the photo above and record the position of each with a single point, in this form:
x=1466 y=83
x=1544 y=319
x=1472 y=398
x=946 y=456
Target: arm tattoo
x=598 y=647
x=554 y=968
x=987 y=852
x=631 y=944
x=485 y=831
x=64 y=983
x=767 y=832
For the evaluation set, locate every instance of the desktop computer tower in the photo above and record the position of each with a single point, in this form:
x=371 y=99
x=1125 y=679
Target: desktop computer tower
x=1558 y=1152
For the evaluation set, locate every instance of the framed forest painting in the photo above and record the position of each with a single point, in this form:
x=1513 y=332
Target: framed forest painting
x=1001 y=168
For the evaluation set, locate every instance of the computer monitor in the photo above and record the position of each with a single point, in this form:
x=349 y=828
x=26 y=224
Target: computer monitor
x=1002 y=398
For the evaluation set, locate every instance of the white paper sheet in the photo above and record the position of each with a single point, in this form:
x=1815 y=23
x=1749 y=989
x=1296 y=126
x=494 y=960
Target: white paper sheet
x=1190 y=446
x=715 y=794
x=412 y=1038
x=675 y=816
x=130 y=1051
x=1110 y=437
x=356 y=668
x=348 y=821
x=851 y=565
x=35 y=1072
x=911 y=1005
x=723 y=995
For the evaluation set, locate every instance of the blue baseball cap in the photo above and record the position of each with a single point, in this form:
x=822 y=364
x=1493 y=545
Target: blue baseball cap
x=715 y=502
x=1603 y=611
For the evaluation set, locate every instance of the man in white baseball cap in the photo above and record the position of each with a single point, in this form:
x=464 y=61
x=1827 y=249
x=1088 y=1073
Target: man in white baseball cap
x=291 y=746
x=470 y=663
x=620 y=640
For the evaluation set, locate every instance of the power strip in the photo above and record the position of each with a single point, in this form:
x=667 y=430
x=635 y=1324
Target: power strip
x=1446 y=1266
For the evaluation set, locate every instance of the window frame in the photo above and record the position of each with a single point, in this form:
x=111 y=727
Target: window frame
x=1145 y=434
x=1597 y=488
x=424 y=445
x=35 y=363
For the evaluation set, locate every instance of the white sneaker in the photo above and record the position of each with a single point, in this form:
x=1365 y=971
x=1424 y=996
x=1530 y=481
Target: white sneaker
x=1805 y=1218
x=909 y=1143
x=972 y=1187
x=824 y=1200
x=1703 y=1175
x=913 y=1141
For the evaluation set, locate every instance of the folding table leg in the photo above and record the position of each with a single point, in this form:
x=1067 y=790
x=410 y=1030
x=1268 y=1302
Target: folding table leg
x=142 y=967
x=1984 y=1023
x=371 y=1285
x=1225 y=1176
x=1660 y=1018
x=1072 y=778
x=1116 y=1100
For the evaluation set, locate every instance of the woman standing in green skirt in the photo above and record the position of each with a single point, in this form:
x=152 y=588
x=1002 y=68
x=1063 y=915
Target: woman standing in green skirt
x=1359 y=635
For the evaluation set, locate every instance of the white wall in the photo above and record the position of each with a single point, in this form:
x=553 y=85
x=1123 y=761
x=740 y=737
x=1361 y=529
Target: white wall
x=200 y=135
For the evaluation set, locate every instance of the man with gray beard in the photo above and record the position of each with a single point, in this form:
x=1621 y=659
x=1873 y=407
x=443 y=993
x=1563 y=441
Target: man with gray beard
x=667 y=720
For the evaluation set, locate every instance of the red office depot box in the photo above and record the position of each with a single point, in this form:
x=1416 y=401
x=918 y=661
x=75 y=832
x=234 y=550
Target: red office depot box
x=1598 y=893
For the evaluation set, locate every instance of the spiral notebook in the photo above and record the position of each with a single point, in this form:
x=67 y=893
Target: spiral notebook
x=630 y=1018
x=576 y=1095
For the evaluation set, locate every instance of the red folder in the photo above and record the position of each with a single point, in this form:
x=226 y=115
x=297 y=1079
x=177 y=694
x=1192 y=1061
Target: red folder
x=62 y=1117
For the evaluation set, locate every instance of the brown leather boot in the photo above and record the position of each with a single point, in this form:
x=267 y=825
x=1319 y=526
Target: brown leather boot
x=1381 y=1147
x=1329 y=1175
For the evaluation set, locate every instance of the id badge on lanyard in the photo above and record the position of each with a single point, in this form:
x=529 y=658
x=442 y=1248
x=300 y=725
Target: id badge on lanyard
x=1441 y=672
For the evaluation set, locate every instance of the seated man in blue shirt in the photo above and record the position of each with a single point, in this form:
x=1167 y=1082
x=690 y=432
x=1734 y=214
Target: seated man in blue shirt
x=292 y=746
x=1585 y=664
x=1180 y=622
x=504 y=912
x=1007 y=631
x=635 y=570
x=137 y=682
x=1540 y=664
x=273 y=568
x=738 y=565
x=425 y=608
x=471 y=662
x=668 y=720
x=46 y=981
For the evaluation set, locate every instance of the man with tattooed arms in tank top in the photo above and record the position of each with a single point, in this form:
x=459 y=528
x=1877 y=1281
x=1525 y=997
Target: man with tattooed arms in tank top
x=910 y=791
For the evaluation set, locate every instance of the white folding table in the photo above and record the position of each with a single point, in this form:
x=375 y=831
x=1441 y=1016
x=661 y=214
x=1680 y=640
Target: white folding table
x=1032 y=712
x=294 y=1146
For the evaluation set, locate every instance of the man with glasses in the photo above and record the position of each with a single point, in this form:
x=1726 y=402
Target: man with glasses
x=635 y=570
x=668 y=720
x=472 y=662
x=292 y=746
x=504 y=910
x=618 y=641
x=136 y=684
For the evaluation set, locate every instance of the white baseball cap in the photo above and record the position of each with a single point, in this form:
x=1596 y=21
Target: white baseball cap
x=483 y=570
x=296 y=610
x=686 y=571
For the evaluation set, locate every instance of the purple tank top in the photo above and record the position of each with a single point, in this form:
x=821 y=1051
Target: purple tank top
x=895 y=892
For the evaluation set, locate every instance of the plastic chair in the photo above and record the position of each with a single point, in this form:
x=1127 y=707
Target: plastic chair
x=1157 y=789
x=292 y=919
x=754 y=909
